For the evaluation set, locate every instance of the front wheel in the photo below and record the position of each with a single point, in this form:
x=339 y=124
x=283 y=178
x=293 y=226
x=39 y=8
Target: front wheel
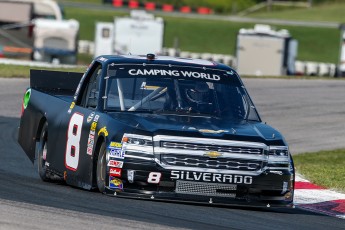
x=41 y=153
x=101 y=168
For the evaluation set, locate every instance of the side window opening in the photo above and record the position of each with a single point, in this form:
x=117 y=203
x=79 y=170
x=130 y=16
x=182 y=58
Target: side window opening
x=91 y=93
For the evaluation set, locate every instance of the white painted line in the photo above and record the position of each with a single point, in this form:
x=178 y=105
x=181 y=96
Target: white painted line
x=312 y=196
x=299 y=178
x=8 y=61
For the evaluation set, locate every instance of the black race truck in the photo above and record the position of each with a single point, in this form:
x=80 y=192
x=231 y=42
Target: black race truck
x=155 y=127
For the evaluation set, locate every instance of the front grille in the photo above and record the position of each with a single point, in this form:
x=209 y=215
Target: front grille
x=218 y=148
x=206 y=162
x=205 y=189
x=222 y=156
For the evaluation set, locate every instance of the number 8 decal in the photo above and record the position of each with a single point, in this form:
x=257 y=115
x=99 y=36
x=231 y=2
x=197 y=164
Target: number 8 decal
x=73 y=141
x=154 y=177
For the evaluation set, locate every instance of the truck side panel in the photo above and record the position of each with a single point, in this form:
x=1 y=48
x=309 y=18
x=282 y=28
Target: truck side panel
x=42 y=107
x=44 y=84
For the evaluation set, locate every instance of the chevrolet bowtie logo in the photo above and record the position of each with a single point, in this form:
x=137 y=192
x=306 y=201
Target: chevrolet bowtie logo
x=212 y=131
x=213 y=154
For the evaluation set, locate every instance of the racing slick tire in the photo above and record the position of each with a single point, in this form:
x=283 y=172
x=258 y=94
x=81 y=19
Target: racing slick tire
x=101 y=168
x=41 y=154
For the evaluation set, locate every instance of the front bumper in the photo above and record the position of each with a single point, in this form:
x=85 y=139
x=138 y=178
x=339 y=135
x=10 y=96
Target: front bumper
x=269 y=189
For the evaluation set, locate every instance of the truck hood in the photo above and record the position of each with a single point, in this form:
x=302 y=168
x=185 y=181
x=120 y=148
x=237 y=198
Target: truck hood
x=210 y=127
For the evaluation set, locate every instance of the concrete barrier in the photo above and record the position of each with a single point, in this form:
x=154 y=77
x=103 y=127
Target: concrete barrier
x=301 y=67
x=324 y=69
x=311 y=69
x=185 y=54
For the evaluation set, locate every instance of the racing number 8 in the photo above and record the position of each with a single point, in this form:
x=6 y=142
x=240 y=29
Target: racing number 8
x=73 y=141
x=154 y=177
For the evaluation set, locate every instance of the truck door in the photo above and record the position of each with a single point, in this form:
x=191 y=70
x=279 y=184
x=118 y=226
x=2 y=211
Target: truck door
x=81 y=126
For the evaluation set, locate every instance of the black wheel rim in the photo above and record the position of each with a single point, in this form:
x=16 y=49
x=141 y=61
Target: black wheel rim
x=43 y=152
x=101 y=167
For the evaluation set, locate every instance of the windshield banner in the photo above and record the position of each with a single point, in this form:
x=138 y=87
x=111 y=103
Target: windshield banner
x=175 y=73
x=192 y=73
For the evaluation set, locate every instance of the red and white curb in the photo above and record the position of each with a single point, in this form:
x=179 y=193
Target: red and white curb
x=318 y=199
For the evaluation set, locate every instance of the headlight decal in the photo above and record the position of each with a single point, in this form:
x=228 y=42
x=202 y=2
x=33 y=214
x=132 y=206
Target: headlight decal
x=139 y=140
x=137 y=146
x=279 y=157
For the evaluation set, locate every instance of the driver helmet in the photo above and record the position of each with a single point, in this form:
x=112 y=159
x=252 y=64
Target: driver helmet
x=200 y=94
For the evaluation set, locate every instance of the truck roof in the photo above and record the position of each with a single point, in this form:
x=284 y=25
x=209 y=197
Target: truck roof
x=163 y=60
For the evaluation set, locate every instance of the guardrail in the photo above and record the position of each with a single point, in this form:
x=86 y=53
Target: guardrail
x=151 y=6
x=321 y=69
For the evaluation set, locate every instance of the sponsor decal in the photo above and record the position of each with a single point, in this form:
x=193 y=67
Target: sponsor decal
x=89 y=118
x=93 y=126
x=115 y=172
x=91 y=139
x=115 y=163
x=117 y=153
x=92 y=133
x=213 y=154
x=71 y=107
x=104 y=131
x=130 y=176
x=89 y=150
x=115 y=144
x=96 y=118
x=212 y=131
x=115 y=183
x=90 y=142
x=176 y=73
x=211 y=177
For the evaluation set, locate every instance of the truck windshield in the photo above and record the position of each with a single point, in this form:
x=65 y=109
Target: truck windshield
x=182 y=96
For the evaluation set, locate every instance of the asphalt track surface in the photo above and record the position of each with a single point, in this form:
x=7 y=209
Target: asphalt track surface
x=309 y=113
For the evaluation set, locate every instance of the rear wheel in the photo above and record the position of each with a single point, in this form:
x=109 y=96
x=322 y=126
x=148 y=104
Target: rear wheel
x=101 y=168
x=41 y=153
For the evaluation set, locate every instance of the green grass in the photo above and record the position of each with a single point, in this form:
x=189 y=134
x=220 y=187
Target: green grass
x=196 y=35
x=325 y=168
x=326 y=12
x=17 y=71
x=316 y=44
x=209 y=36
x=88 y=18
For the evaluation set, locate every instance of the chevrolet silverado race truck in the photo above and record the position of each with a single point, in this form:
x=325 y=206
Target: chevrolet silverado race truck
x=155 y=127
